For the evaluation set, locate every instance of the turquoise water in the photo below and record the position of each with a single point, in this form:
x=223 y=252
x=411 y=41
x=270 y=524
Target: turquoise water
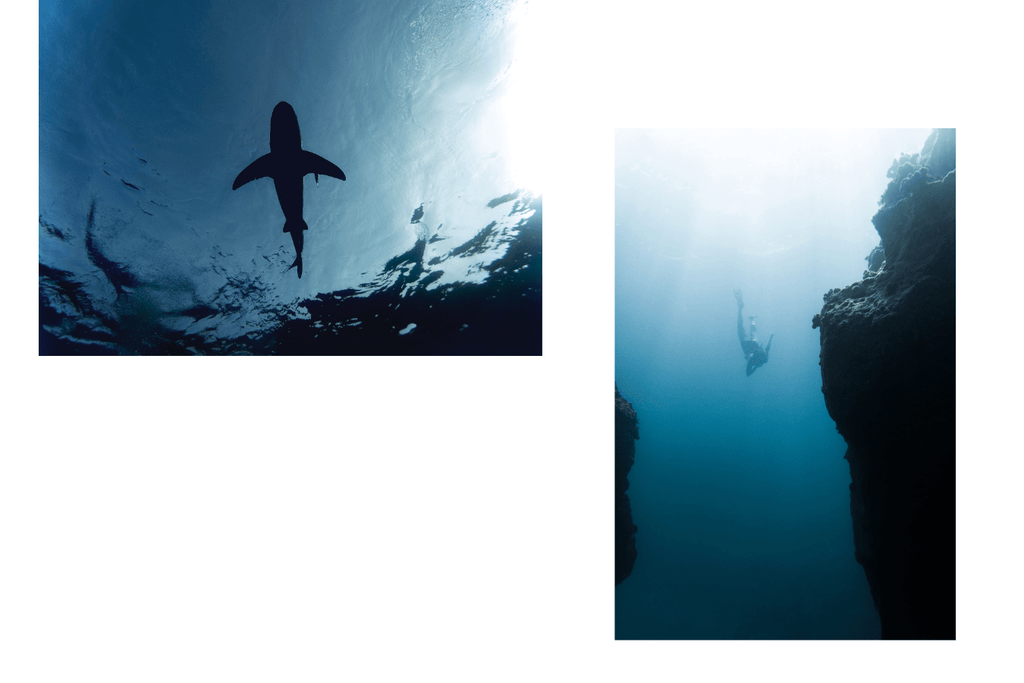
x=739 y=490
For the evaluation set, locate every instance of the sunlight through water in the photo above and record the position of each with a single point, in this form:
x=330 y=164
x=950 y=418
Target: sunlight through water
x=525 y=115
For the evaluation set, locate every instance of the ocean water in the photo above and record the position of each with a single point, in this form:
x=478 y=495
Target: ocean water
x=148 y=111
x=739 y=491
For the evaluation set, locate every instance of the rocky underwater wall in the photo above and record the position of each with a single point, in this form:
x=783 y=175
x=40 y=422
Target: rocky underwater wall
x=888 y=350
x=626 y=433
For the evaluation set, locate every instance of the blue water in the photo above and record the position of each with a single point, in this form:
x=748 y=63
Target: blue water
x=739 y=490
x=148 y=111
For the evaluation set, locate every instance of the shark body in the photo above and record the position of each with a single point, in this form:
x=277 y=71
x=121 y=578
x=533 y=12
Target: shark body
x=287 y=164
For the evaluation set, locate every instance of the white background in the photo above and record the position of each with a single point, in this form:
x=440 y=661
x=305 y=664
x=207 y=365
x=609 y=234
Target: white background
x=173 y=519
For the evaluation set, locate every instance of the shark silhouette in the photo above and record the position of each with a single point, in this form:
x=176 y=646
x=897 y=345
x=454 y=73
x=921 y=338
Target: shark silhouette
x=288 y=164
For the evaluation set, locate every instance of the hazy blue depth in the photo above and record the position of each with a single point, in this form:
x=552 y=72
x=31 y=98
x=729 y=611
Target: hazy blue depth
x=740 y=490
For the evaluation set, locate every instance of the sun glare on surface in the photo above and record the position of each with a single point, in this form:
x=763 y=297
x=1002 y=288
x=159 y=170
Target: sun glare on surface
x=523 y=103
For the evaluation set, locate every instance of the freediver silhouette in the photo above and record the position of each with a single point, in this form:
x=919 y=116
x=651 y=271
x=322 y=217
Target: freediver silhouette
x=752 y=351
x=288 y=164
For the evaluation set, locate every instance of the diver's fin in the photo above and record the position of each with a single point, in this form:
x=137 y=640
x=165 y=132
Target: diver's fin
x=261 y=168
x=316 y=164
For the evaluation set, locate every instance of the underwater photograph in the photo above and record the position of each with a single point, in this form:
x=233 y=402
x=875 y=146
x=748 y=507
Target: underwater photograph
x=313 y=178
x=785 y=371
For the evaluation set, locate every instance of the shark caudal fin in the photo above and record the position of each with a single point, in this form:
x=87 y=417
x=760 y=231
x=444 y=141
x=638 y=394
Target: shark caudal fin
x=295 y=226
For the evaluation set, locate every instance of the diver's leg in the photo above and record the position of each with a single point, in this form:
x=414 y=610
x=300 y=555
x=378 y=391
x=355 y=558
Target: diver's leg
x=739 y=315
x=753 y=329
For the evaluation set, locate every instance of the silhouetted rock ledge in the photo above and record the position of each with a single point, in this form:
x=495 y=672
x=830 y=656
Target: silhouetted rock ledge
x=626 y=432
x=889 y=379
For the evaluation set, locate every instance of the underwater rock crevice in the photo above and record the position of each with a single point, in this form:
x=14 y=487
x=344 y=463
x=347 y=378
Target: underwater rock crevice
x=627 y=431
x=888 y=377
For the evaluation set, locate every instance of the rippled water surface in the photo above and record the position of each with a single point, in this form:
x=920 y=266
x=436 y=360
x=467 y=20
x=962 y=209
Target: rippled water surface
x=148 y=111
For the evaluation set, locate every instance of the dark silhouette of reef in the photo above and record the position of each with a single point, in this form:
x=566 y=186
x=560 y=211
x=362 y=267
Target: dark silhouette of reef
x=627 y=432
x=889 y=380
x=399 y=313
x=501 y=316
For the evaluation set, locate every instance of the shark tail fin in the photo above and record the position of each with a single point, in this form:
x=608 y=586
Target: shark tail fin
x=295 y=226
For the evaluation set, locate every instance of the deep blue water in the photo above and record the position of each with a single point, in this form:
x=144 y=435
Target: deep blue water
x=739 y=490
x=148 y=111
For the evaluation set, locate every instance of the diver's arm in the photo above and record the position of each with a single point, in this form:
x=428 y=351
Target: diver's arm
x=751 y=366
x=769 y=347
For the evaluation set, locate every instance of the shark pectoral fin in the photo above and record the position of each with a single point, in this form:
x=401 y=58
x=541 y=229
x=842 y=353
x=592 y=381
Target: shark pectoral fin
x=317 y=165
x=261 y=168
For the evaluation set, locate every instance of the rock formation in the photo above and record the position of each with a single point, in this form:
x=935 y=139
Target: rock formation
x=626 y=432
x=888 y=375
